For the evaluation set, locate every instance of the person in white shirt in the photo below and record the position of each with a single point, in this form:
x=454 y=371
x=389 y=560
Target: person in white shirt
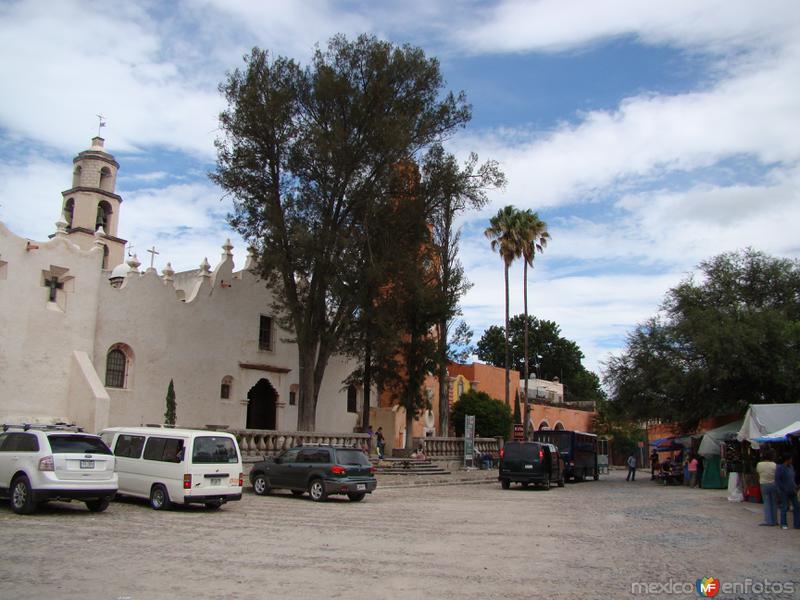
x=766 y=478
x=631 y=468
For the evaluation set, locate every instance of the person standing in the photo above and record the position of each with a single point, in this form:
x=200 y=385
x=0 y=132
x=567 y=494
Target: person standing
x=370 y=434
x=766 y=478
x=381 y=442
x=787 y=491
x=631 y=468
x=693 y=462
x=653 y=463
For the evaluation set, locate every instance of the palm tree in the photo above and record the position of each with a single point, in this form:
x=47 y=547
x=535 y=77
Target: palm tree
x=504 y=233
x=534 y=234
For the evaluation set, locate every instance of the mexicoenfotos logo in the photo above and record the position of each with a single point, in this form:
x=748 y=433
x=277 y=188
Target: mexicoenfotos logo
x=707 y=587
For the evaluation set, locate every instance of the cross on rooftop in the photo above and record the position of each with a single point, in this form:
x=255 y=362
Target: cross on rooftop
x=153 y=253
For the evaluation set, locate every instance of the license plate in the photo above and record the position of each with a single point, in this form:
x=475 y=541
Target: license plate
x=216 y=481
x=87 y=464
x=528 y=466
x=361 y=486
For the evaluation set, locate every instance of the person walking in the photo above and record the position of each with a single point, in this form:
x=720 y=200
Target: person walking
x=766 y=478
x=693 y=463
x=631 y=468
x=787 y=490
x=381 y=441
x=653 y=463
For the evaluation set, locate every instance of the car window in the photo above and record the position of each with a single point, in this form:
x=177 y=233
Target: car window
x=3 y=440
x=214 y=450
x=351 y=457
x=522 y=451
x=314 y=455
x=290 y=456
x=77 y=444
x=19 y=442
x=163 y=449
x=129 y=446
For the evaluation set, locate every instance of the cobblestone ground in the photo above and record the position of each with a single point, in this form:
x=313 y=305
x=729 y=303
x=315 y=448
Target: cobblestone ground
x=410 y=539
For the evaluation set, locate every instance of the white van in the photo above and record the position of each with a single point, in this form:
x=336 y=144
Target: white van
x=180 y=466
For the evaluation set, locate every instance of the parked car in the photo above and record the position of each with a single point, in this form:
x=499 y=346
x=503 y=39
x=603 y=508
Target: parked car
x=319 y=470
x=530 y=462
x=43 y=463
x=180 y=466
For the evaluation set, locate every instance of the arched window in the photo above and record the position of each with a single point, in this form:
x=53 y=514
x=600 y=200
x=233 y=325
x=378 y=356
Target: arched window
x=352 y=394
x=118 y=362
x=69 y=209
x=105 y=257
x=559 y=426
x=76 y=177
x=103 y=216
x=105 y=179
x=225 y=387
x=544 y=425
x=460 y=389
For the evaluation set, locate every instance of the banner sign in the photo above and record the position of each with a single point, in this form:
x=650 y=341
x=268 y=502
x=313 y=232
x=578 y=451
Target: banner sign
x=469 y=441
x=519 y=432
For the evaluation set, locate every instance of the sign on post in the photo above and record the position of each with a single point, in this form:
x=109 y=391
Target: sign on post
x=519 y=432
x=469 y=441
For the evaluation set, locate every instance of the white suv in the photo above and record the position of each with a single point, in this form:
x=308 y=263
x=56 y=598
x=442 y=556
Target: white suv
x=41 y=463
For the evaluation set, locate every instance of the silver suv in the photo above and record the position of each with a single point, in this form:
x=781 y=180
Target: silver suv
x=50 y=462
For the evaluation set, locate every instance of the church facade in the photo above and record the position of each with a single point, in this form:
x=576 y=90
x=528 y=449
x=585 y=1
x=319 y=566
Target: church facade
x=90 y=338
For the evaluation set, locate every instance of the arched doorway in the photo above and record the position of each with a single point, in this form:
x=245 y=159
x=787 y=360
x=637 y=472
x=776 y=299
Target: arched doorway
x=544 y=425
x=559 y=426
x=262 y=406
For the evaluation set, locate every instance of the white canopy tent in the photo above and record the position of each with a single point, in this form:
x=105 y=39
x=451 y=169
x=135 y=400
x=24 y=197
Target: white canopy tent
x=709 y=445
x=782 y=434
x=765 y=419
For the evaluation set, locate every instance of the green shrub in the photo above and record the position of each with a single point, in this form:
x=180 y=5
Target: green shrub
x=492 y=417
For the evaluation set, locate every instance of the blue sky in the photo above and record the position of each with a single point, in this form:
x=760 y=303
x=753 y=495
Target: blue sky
x=648 y=135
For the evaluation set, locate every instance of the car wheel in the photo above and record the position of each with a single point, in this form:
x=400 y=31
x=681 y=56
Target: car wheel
x=358 y=497
x=97 y=505
x=524 y=484
x=213 y=505
x=260 y=485
x=316 y=489
x=22 y=496
x=596 y=474
x=297 y=493
x=159 y=498
x=505 y=484
x=561 y=482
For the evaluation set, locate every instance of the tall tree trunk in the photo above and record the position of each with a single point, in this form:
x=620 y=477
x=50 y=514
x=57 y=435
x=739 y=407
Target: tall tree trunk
x=444 y=397
x=307 y=405
x=525 y=351
x=367 y=383
x=508 y=357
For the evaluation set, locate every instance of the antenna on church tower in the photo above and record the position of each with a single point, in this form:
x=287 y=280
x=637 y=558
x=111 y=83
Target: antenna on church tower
x=100 y=124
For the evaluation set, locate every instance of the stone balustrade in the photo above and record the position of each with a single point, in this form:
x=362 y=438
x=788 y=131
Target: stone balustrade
x=255 y=443
x=453 y=448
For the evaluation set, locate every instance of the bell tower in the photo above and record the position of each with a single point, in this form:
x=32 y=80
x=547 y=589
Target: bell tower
x=91 y=207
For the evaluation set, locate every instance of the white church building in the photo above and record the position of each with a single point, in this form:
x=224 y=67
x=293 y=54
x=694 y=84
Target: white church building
x=88 y=338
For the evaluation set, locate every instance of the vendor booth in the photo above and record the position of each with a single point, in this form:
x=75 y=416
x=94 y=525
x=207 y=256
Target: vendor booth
x=710 y=449
x=763 y=420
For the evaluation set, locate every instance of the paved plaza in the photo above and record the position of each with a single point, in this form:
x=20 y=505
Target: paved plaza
x=468 y=539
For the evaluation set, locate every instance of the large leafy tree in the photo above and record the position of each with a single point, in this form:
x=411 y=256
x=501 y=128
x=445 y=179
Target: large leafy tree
x=552 y=356
x=725 y=338
x=535 y=235
x=505 y=235
x=306 y=152
x=448 y=190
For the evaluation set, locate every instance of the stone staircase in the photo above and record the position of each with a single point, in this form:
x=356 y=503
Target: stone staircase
x=407 y=466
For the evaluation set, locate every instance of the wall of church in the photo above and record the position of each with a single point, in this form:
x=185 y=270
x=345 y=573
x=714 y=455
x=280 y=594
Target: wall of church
x=211 y=336
x=39 y=336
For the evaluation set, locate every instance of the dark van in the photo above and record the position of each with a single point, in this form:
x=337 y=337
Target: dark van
x=530 y=462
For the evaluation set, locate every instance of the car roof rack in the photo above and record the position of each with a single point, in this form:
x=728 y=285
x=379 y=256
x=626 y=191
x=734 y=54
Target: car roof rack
x=39 y=427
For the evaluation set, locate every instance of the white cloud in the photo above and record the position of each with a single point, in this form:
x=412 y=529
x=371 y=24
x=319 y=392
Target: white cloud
x=552 y=25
